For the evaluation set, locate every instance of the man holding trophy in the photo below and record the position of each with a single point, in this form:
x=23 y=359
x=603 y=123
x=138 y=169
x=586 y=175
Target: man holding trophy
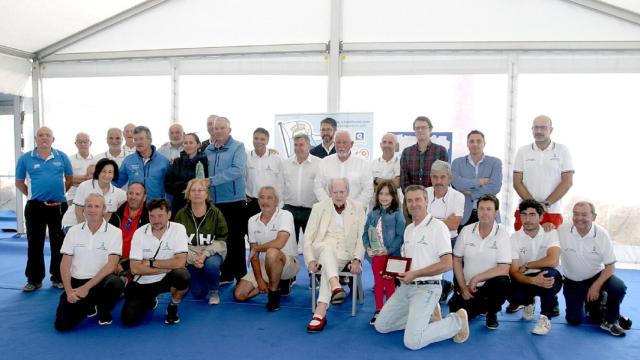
x=426 y=255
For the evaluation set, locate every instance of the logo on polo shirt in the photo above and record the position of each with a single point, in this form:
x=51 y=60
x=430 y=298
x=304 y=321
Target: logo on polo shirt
x=568 y=249
x=594 y=250
x=423 y=240
x=523 y=251
x=470 y=244
x=57 y=163
x=530 y=159
x=80 y=245
x=166 y=246
x=36 y=166
x=493 y=245
x=101 y=247
x=273 y=227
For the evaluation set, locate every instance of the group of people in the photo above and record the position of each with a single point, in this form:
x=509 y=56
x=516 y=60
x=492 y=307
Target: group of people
x=142 y=221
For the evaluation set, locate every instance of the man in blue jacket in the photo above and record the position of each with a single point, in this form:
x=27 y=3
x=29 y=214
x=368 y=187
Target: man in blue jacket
x=146 y=165
x=227 y=160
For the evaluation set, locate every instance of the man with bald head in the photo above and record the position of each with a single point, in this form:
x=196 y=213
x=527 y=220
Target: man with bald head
x=543 y=171
x=130 y=145
x=387 y=166
x=171 y=150
x=115 y=151
x=344 y=164
x=588 y=263
x=50 y=174
x=80 y=163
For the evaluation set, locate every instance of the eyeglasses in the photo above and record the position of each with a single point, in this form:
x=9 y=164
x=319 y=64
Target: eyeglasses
x=127 y=225
x=544 y=127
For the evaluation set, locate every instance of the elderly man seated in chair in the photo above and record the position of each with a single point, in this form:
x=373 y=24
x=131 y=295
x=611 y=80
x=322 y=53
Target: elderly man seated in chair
x=332 y=241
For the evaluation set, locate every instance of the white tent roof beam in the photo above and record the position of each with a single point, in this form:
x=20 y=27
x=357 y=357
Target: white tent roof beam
x=16 y=52
x=609 y=9
x=96 y=28
x=187 y=53
x=491 y=46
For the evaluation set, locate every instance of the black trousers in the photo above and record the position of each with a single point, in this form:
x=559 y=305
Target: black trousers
x=300 y=218
x=489 y=297
x=523 y=294
x=140 y=298
x=104 y=296
x=39 y=217
x=234 y=265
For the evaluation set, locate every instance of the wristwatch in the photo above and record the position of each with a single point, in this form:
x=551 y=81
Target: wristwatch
x=151 y=261
x=547 y=203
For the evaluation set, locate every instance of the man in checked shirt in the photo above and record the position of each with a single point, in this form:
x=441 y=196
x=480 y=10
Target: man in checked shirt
x=416 y=160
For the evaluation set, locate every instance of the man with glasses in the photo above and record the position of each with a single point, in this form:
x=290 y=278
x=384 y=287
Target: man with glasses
x=328 y=128
x=416 y=160
x=543 y=171
x=128 y=218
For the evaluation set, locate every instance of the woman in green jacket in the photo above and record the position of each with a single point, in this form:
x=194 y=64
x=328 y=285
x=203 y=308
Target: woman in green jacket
x=207 y=231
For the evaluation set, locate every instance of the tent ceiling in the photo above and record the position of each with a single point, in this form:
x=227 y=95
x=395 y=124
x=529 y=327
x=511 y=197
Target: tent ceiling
x=30 y=25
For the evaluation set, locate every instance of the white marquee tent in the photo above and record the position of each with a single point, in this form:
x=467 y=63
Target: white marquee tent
x=578 y=60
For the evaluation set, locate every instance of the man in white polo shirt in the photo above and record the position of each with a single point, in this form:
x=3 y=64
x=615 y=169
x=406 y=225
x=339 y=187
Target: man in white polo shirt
x=264 y=168
x=387 y=166
x=345 y=164
x=273 y=253
x=535 y=256
x=427 y=243
x=116 y=151
x=158 y=259
x=446 y=204
x=482 y=257
x=299 y=174
x=543 y=171
x=90 y=253
x=80 y=162
x=588 y=263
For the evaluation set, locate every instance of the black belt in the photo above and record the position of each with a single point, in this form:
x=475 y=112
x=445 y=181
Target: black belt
x=425 y=282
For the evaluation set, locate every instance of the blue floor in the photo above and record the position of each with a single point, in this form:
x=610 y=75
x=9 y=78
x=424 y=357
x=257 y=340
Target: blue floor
x=244 y=331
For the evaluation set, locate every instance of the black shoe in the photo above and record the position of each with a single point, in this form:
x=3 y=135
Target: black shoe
x=492 y=321
x=273 y=303
x=105 y=319
x=172 y=314
x=374 y=318
x=625 y=322
x=285 y=287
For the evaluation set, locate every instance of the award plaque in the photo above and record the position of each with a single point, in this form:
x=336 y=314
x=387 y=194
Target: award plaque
x=396 y=265
x=374 y=241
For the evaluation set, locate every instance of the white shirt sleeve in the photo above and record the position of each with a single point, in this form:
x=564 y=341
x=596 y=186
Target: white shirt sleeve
x=606 y=247
x=458 y=204
x=552 y=239
x=285 y=223
x=518 y=164
x=115 y=247
x=181 y=240
x=503 y=243
x=514 y=247
x=458 y=250
x=67 y=244
x=567 y=161
x=137 y=243
x=443 y=246
x=82 y=192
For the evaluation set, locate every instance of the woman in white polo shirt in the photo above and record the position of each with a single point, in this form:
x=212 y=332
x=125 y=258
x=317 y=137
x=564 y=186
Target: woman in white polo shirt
x=106 y=172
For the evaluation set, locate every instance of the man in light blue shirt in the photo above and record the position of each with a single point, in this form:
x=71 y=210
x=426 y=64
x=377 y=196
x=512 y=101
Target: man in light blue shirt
x=475 y=175
x=50 y=174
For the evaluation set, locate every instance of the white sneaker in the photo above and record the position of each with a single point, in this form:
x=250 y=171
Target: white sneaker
x=543 y=326
x=214 y=298
x=529 y=312
x=463 y=334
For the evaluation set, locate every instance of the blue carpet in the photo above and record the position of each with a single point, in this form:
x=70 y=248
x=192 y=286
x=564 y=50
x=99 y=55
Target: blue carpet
x=8 y=221
x=244 y=331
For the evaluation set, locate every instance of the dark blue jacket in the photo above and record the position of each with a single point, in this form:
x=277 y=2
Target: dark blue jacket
x=227 y=171
x=151 y=174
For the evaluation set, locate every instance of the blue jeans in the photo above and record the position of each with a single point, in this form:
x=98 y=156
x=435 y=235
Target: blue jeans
x=410 y=308
x=523 y=294
x=205 y=279
x=575 y=295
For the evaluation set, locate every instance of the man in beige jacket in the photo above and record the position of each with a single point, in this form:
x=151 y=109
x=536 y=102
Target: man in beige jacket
x=332 y=241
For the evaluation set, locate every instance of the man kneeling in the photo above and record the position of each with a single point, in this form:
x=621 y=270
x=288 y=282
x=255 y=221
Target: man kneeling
x=158 y=260
x=427 y=243
x=273 y=254
x=90 y=252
